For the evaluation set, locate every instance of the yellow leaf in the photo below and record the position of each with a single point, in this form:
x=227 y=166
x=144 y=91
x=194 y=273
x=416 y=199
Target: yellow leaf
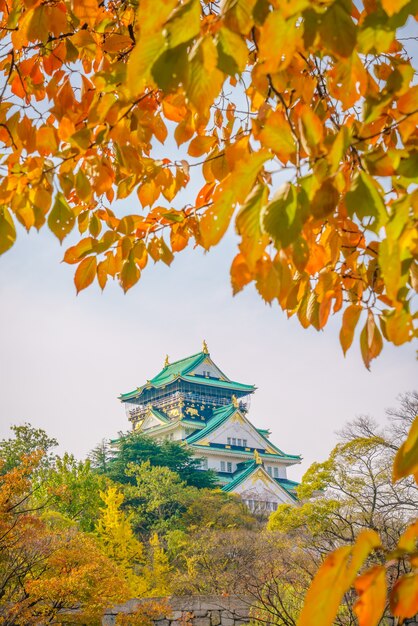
x=61 y=218
x=184 y=23
x=248 y=225
x=371 y=589
x=277 y=135
x=150 y=43
x=281 y=36
x=77 y=252
x=85 y=273
x=205 y=80
x=408 y=539
x=351 y=317
x=393 y=6
x=7 y=230
x=406 y=460
x=200 y=145
x=312 y=129
x=129 y=275
x=234 y=189
x=371 y=342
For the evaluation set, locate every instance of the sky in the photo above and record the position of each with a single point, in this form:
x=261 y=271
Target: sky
x=64 y=359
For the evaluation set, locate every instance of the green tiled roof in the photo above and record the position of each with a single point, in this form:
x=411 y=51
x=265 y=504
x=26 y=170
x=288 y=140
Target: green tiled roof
x=248 y=468
x=181 y=369
x=263 y=431
x=241 y=475
x=266 y=456
x=159 y=415
x=232 y=385
x=218 y=417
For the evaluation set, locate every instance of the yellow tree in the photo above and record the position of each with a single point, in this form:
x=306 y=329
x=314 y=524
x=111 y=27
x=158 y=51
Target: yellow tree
x=300 y=115
x=115 y=534
x=157 y=571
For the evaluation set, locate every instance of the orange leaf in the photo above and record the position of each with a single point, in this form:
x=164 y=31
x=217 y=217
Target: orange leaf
x=86 y=11
x=240 y=274
x=77 y=252
x=371 y=342
x=404 y=597
x=371 y=589
x=351 y=317
x=85 y=273
x=333 y=579
x=406 y=459
x=129 y=275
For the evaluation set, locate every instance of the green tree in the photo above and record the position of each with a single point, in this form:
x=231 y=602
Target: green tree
x=134 y=447
x=26 y=439
x=73 y=488
x=158 y=498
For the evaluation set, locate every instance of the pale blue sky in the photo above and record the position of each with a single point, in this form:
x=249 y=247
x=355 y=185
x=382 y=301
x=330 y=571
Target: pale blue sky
x=64 y=359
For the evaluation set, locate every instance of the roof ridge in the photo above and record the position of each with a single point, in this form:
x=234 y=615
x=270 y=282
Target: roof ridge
x=186 y=358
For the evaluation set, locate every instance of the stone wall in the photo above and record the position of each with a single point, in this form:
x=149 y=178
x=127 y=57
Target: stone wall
x=201 y=611
x=191 y=611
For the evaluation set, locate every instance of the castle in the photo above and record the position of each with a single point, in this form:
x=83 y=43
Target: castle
x=193 y=401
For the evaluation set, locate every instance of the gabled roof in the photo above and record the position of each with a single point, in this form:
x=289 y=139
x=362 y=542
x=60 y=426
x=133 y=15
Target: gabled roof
x=183 y=369
x=218 y=417
x=240 y=475
x=248 y=468
x=221 y=415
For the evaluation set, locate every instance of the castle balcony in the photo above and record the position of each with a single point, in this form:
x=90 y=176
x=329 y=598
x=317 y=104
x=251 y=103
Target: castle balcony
x=214 y=399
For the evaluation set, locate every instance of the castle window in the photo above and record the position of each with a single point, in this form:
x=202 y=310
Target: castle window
x=229 y=467
x=234 y=441
x=222 y=466
x=244 y=443
x=239 y=442
x=229 y=441
x=269 y=471
x=276 y=472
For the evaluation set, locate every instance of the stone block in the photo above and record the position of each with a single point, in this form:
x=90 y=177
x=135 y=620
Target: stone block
x=215 y=618
x=201 y=613
x=227 y=621
x=176 y=615
x=201 y=621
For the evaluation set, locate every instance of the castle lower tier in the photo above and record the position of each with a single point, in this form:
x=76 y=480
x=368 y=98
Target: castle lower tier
x=193 y=401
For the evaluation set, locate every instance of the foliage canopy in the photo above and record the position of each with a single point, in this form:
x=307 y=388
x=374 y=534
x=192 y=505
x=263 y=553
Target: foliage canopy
x=318 y=95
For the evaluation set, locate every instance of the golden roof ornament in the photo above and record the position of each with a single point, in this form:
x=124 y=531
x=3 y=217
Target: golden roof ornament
x=166 y=362
x=205 y=348
x=235 y=401
x=257 y=458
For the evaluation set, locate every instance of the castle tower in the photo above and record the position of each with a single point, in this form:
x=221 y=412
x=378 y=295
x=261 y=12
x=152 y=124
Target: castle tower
x=193 y=401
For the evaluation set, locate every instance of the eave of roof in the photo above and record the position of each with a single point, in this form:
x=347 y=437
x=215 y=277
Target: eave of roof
x=180 y=370
x=267 y=456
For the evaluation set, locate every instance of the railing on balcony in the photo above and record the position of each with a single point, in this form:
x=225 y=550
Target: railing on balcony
x=134 y=411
